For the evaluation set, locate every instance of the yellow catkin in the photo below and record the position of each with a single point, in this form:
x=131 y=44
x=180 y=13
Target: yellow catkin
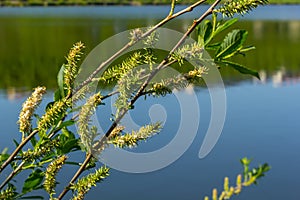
x=226 y=184
x=52 y=115
x=28 y=109
x=238 y=184
x=214 y=194
x=52 y=170
x=85 y=114
x=71 y=68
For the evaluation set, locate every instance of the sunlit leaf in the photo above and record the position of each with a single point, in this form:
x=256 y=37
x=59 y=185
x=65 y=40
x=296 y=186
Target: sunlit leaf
x=222 y=27
x=70 y=145
x=240 y=68
x=60 y=80
x=204 y=31
x=213 y=46
x=66 y=124
x=231 y=44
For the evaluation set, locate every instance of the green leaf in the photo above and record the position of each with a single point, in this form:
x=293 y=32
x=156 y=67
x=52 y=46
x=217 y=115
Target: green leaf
x=222 y=27
x=67 y=133
x=33 y=141
x=60 y=81
x=48 y=157
x=214 y=21
x=3 y=157
x=231 y=44
x=247 y=49
x=33 y=181
x=72 y=163
x=49 y=105
x=57 y=95
x=66 y=124
x=204 y=32
x=240 y=68
x=208 y=32
x=16 y=143
x=68 y=142
x=32 y=197
x=70 y=145
x=213 y=46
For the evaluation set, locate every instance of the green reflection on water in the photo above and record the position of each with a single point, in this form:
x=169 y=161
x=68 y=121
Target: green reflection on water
x=32 y=49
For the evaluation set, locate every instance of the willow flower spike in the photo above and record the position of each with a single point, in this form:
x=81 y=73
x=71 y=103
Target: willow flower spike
x=28 y=109
x=51 y=172
x=242 y=7
x=71 y=68
x=84 y=184
x=85 y=114
x=53 y=114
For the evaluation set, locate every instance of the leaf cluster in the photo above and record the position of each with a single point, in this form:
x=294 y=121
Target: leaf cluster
x=250 y=177
x=233 y=43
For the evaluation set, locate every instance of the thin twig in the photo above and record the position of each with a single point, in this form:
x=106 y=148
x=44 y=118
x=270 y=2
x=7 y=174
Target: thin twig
x=103 y=140
x=80 y=170
x=12 y=174
x=131 y=43
x=172 y=7
x=21 y=145
x=90 y=78
x=140 y=91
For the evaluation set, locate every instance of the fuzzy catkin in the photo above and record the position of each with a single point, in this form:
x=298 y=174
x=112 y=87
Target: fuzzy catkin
x=71 y=68
x=52 y=170
x=28 y=109
x=242 y=7
x=85 y=114
x=53 y=114
x=84 y=184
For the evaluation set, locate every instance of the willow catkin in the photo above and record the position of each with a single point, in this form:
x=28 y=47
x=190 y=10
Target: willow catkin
x=28 y=109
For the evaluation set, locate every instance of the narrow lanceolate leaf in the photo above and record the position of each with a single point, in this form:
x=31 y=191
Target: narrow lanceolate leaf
x=204 y=31
x=32 y=197
x=242 y=69
x=225 y=25
x=33 y=181
x=249 y=48
x=60 y=82
x=232 y=43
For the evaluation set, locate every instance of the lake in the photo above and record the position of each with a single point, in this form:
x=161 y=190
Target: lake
x=262 y=118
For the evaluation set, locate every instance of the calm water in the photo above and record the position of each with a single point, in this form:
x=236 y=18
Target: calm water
x=262 y=120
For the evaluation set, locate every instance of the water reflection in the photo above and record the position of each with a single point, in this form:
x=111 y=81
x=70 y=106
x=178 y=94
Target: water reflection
x=262 y=122
x=278 y=78
x=33 y=47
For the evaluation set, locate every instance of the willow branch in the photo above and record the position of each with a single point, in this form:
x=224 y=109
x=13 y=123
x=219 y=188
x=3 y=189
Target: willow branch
x=11 y=175
x=80 y=170
x=131 y=43
x=172 y=7
x=103 y=140
x=19 y=147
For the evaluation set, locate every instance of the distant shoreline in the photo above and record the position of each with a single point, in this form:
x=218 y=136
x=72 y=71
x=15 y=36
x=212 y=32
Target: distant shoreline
x=51 y=3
